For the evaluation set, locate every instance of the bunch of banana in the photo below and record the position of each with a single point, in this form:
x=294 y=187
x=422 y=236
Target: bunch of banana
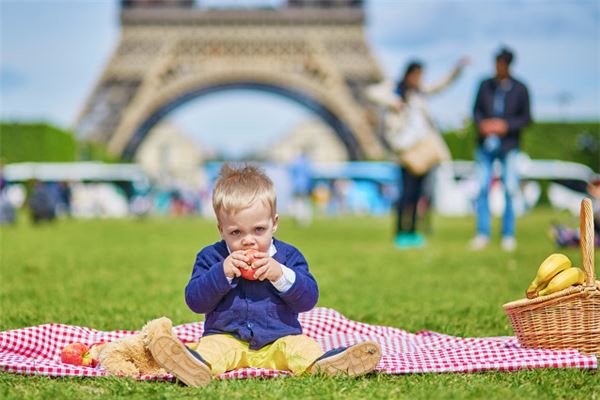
x=564 y=279
x=554 y=274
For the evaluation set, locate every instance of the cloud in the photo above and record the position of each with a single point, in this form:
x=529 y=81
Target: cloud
x=399 y=23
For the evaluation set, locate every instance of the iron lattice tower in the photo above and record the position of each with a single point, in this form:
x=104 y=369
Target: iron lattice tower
x=172 y=51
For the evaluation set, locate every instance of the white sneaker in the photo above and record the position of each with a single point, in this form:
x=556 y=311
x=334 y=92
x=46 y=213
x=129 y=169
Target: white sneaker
x=509 y=244
x=479 y=242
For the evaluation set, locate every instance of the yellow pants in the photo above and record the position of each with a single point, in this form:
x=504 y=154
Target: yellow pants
x=293 y=353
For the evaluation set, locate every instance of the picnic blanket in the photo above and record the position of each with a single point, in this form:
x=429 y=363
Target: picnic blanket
x=36 y=350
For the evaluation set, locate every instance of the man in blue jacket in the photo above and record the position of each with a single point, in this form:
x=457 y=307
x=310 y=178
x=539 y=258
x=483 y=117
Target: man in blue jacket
x=501 y=110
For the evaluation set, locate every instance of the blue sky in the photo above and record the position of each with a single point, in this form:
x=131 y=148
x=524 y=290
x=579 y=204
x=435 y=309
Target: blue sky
x=52 y=52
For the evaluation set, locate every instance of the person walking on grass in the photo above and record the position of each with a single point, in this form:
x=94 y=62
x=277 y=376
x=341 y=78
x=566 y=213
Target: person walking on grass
x=251 y=320
x=415 y=141
x=300 y=171
x=501 y=110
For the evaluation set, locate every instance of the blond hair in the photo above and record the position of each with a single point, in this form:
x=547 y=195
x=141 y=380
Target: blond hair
x=238 y=188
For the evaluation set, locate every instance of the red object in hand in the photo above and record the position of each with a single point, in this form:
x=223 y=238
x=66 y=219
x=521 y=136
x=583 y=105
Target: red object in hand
x=249 y=273
x=495 y=126
x=77 y=354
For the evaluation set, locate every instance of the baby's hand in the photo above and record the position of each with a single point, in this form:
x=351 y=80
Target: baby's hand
x=233 y=263
x=266 y=268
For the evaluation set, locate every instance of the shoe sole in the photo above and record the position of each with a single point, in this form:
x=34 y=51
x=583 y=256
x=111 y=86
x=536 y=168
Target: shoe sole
x=173 y=356
x=359 y=359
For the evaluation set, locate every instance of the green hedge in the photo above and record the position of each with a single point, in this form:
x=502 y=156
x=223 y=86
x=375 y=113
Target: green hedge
x=46 y=143
x=577 y=141
x=35 y=142
x=90 y=151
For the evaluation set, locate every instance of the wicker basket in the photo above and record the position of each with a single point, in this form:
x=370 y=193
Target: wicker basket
x=569 y=319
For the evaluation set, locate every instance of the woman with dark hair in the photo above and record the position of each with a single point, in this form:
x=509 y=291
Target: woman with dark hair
x=412 y=136
x=411 y=79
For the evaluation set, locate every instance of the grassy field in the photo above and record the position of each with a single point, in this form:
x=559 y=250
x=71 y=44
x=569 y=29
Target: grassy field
x=115 y=274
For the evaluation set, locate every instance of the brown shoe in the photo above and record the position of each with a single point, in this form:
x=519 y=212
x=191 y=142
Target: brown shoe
x=172 y=355
x=356 y=360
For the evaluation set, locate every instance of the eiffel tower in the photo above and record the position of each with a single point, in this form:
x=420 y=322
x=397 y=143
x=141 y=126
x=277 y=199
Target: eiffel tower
x=172 y=51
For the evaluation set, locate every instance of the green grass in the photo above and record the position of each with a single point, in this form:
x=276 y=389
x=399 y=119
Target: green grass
x=117 y=274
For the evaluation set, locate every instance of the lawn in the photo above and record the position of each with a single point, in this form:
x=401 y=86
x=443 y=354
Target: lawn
x=117 y=274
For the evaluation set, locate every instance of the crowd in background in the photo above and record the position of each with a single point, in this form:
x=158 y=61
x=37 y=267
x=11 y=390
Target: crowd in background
x=46 y=201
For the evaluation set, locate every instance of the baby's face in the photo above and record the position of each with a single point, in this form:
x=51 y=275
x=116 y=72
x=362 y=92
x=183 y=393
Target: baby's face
x=250 y=228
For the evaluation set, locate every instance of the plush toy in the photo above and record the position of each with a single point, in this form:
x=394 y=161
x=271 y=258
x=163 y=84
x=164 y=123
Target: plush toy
x=129 y=356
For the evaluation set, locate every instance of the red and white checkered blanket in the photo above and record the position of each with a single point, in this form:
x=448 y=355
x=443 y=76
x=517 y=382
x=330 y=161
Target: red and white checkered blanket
x=36 y=350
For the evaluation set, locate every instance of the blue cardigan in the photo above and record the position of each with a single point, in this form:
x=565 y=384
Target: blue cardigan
x=252 y=311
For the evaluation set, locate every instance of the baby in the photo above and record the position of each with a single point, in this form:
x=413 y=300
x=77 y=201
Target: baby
x=252 y=322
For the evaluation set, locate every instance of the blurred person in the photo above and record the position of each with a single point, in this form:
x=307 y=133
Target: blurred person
x=321 y=196
x=140 y=205
x=301 y=175
x=65 y=197
x=251 y=302
x=341 y=189
x=568 y=237
x=8 y=215
x=178 y=206
x=7 y=211
x=41 y=204
x=3 y=181
x=415 y=140
x=501 y=110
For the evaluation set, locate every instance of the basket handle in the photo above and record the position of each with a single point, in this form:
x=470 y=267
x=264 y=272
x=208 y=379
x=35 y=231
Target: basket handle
x=586 y=229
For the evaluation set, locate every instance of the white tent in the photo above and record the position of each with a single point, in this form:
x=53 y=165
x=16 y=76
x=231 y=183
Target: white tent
x=90 y=171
